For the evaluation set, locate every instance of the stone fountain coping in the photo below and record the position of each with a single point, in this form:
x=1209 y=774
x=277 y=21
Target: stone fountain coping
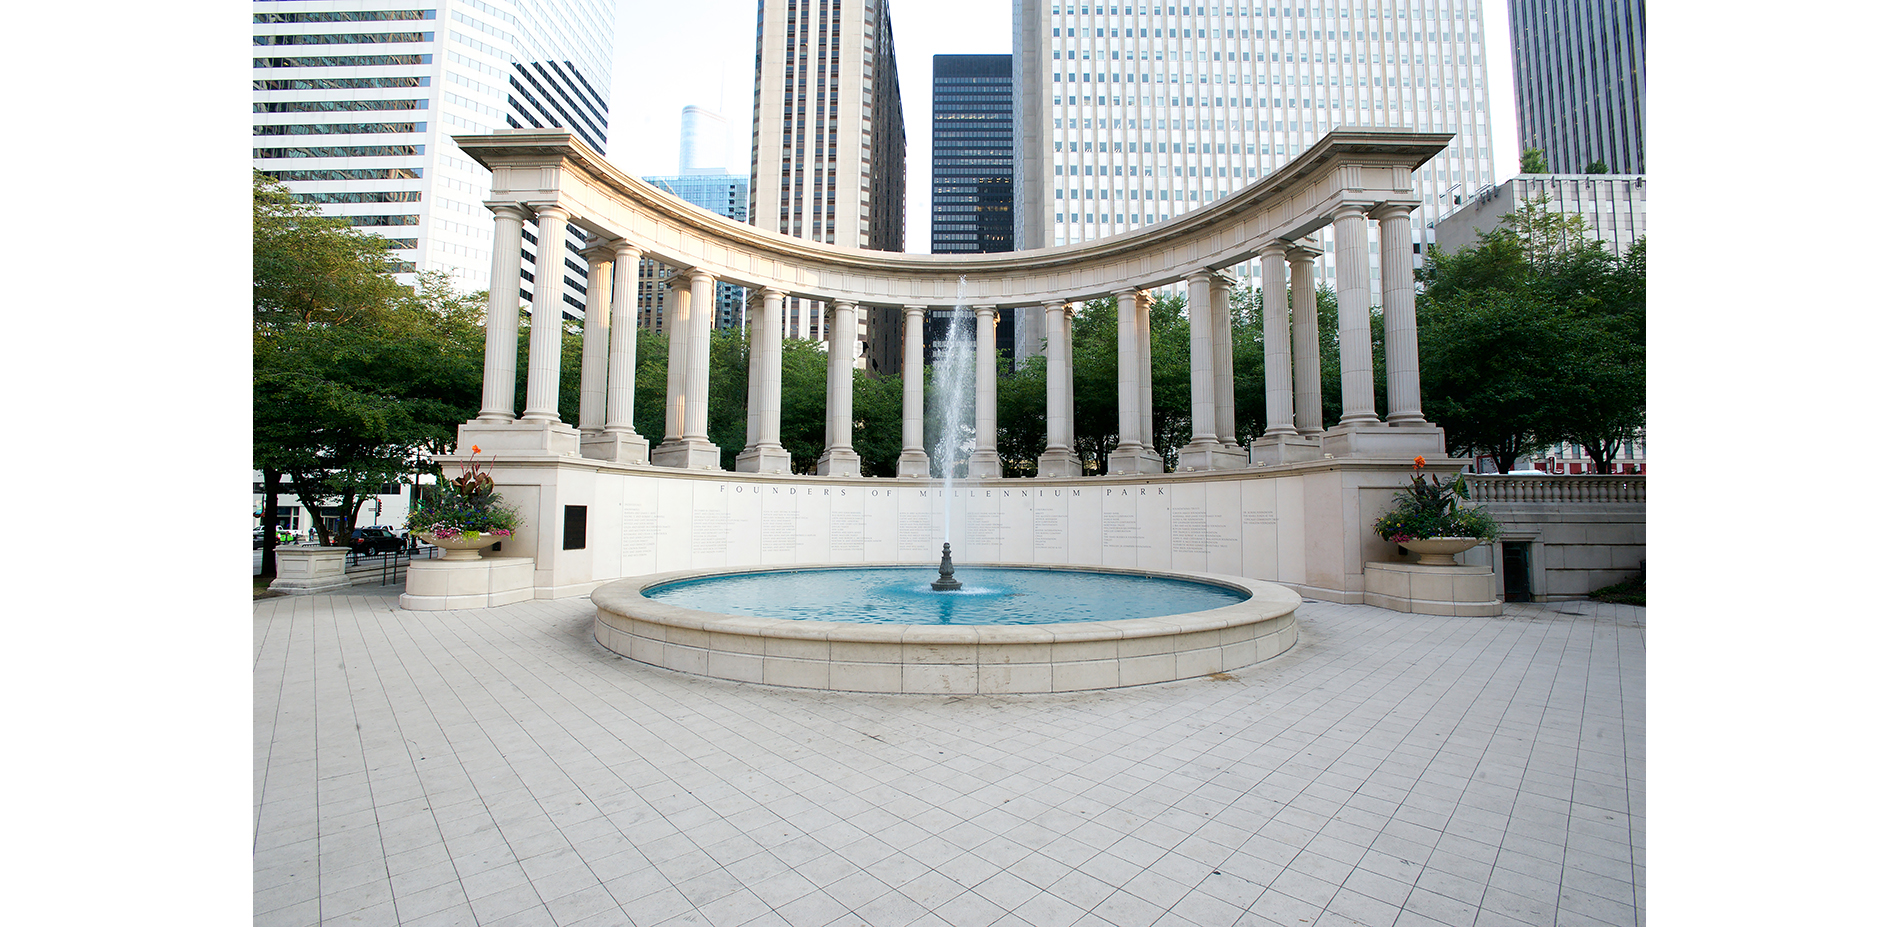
x=854 y=656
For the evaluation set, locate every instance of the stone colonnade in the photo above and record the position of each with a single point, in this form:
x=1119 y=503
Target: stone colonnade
x=1352 y=178
x=1292 y=396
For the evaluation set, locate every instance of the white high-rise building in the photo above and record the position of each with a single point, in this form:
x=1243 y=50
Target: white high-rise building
x=1134 y=113
x=705 y=141
x=355 y=102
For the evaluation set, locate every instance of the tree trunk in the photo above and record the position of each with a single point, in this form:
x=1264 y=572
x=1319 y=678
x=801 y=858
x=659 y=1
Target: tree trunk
x=271 y=480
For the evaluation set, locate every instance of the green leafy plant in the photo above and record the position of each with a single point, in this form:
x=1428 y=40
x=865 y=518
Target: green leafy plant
x=1431 y=510
x=465 y=507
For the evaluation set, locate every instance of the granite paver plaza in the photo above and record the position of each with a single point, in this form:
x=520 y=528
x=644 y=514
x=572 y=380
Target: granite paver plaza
x=498 y=766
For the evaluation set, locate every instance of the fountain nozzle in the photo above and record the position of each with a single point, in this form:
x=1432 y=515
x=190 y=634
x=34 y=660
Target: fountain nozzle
x=946 y=573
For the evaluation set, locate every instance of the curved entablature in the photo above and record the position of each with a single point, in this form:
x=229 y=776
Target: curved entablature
x=1363 y=167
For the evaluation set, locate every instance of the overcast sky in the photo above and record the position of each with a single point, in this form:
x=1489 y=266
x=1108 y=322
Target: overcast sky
x=669 y=56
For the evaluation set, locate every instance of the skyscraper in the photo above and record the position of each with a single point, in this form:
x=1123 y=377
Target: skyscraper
x=703 y=182
x=970 y=154
x=353 y=109
x=1578 y=70
x=1133 y=114
x=828 y=138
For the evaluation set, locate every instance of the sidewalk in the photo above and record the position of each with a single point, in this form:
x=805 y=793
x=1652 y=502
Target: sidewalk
x=498 y=767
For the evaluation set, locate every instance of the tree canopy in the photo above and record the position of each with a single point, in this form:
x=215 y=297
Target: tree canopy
x=1532 y=337
x=353 y=373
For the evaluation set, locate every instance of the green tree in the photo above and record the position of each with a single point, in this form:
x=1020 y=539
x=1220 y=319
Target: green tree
x=352 y=373
x=1533 y=162
x=1533 y=336
x=1597 y=167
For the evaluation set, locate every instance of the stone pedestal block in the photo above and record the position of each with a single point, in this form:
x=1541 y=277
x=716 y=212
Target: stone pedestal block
x=1209 y=457
x=913 y=464
x=617 y=446
x=840 y=461
x=1379 y=440
x=437 y=585
x=1463 y=591
x=1283 y=449
x=764 y=459
x=1134 y=460
x=986 y=465
x=308 y=570
x=519 y=437
x=688 y=454
x=1058 y=462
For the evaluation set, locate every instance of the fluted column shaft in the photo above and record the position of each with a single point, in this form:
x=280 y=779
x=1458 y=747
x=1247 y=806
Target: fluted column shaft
x=913 y=379
x=1355 y=316
x=1145 y=370
x=1219 y=293
x=1127 y=376
x=768 y=346
x=1201 y=412
x=678 y=345
x=986 y=379
x=1402 y=397
x=1277 y=342
x=843 y=318
x=1306 y=404
x=623 y=331
x=594 y=326
x=699 y=369
x=1060 y=391
x=504 y=316
x=544 y=332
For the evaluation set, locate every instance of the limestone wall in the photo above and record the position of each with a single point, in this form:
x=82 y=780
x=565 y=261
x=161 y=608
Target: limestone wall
x=1585 y=532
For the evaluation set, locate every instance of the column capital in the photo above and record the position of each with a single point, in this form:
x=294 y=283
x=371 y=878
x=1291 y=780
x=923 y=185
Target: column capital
x=624 y=248
x=598 y=251
x=1222 y=278
x=1350 y=210
x=508 y=208
x=1130 y=291
x=984 y=310
x=915 y=310
x=1199 y=273
x=697 y=273
x=1274 y=249
x=1393 y=210
x=680 y=279
x=552 y=210
x=1301 y=253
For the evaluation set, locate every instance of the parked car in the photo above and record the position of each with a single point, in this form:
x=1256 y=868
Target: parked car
x=375 y=541
x=257 y=538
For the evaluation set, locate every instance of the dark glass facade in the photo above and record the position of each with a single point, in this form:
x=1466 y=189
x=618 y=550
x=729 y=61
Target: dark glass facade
x=971 y=154
x=1577 y=67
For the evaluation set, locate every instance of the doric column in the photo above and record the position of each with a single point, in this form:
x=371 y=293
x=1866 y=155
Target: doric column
x=913 y=460
x=1306 y=405
x=1059 y=459
x=544 y=333
x=984 y=461
x=678 y=345
x=1201 y=361
x=504 y=316
x=600 y=269
x=1355 y=323
x=1402 y=402
x=1219 y=292
x=1131 y=454
x=1145 y=373
x=622 y=344
x=1277 y=342
x=838 y=458
x=763 y=453
x=699 y=369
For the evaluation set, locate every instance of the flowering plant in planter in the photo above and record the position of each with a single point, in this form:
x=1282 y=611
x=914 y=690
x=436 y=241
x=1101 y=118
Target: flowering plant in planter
x=1431 y=510
x=466 y=507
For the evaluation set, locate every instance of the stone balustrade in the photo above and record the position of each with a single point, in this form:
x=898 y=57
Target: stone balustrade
x=1498 y=488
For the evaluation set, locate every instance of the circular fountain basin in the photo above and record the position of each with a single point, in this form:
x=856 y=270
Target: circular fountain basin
x=820 y=652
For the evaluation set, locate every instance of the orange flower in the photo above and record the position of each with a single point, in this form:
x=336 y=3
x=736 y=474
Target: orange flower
x=476 y=448
x=1418 y=463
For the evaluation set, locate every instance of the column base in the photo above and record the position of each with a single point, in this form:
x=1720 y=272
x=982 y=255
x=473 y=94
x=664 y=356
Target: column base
x=986 y=465
x=617 y=446
x=1272 y=450
x=1058 y=461
x=840 y=461
x=521 y=437
x=1133 y=458
x=1383 y=440
x=1209 y=456
x=687 y=454
x=765 y=458
x=913 y=464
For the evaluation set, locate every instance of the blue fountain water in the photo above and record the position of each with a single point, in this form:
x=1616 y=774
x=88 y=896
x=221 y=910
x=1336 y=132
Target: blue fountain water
x=902 y=595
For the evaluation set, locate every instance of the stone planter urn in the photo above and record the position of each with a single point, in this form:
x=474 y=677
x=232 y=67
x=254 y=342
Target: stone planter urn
x=1439 y=551
x=461 y=547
